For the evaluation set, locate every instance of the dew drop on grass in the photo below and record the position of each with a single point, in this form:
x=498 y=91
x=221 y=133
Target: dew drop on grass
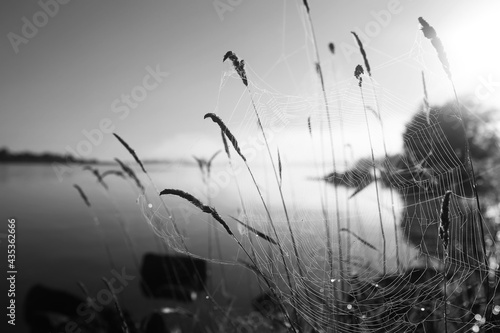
x=496 y=309
x=477 y=317
x=475 y=328
x=150 y=205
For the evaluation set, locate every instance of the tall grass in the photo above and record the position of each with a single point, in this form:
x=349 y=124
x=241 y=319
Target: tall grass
x=431 y=34
x=387 y=163
x=381 y=302
x=210 y=210
x=358 y=74
x=444 y=235
x=240 y=69
x=227 y=133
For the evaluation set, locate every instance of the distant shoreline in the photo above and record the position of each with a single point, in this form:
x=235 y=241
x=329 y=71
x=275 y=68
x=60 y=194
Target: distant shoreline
x=7 y=157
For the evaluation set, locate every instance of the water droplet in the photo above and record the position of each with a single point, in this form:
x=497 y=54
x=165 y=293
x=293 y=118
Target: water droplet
x=332 y=280
x=207 y=297
x=349 y=306
x=475 y=328
x=422 y=309
x=321 y=290
x=477 y=317
x=150 y=205
x=496 y=309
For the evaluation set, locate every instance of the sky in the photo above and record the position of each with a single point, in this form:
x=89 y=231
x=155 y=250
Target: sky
x=149 y=70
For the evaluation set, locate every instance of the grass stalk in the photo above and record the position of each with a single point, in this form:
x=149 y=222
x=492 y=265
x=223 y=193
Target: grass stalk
x=359 y=71
x=97 y=223
x=331 y=47
x=227 y=133
x=240 y=69
x=242 y=203
x=334 y=163
x=210 y=210
x=386 y=156
x=430 y=33
x=444 y=235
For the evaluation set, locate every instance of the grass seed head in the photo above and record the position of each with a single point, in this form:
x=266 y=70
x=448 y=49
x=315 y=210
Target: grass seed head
x=131 y=151
x=444 y=225
x=427 y=29
x=331 y=47
x=210 y=160
x=357 y=74
x=306 y=4
x=238 y=65
x=363 y=53
x=430 y=33
x=131 y=174
x=196 y=202
x=226 y=146
x=226 y=132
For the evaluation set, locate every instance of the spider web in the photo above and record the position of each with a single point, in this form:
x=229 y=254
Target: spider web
x=346 y=278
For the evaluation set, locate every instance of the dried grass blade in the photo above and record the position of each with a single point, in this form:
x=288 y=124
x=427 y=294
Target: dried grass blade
x=82 y=194
x=112 y=172
x=131 y=151
x=196 y=202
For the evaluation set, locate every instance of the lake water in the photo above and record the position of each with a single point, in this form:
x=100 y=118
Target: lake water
x=58 y=243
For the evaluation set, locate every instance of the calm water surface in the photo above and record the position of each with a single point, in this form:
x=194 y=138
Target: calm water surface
x=58 y=244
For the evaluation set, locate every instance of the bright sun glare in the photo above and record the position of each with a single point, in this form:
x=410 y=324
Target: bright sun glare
x=471 y=43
